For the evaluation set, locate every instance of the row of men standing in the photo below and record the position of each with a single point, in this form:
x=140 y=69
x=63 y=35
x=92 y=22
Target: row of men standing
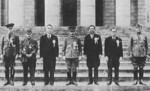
x=72 y=53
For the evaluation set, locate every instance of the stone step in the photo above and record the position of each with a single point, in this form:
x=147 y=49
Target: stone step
x=80 y=77
x=82 y=86
x=125 y=58
x=81 y=63
x=82 y=69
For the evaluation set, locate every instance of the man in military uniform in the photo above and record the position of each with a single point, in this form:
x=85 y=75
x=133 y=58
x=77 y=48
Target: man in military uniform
x=93 y=52
x=49 y=51
x=10 y=51
x=72 y=55
x=113 y=54
x=29 y=49
x=138 y=53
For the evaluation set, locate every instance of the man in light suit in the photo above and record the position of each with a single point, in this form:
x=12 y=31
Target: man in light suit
x=49 y=51
x=10 y=51
x=138 y=53
x=93 y=52
x=113 y=54
x=72 y=54
x=29 y=48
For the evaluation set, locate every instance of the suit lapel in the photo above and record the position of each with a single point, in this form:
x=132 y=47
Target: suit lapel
x=48 y=41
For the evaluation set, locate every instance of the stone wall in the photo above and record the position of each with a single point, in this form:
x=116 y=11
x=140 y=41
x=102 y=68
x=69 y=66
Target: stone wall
x=29 y=12
x=0 y=12
x=141 y=12
x=134 y=12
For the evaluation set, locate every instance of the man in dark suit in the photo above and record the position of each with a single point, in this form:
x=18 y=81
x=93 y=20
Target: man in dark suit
x=113 y=54
x=29 y=48
x=93 y=52
x=49 y=51
x=10 y=51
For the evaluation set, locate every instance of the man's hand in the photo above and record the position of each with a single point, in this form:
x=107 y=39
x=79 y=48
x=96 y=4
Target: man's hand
x=28 y=55
x=106 y=58
x=17 y=56
x=41 y=58
x=85 y=57
x=130 y=55
x=57 y=58
x=80 y=57
x=2 y=56
x=3 y=63
x=100 y=56
x=147 y=56
x=64 y=57
x=120 y=59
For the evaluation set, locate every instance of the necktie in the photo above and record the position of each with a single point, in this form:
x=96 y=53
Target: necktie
x=49 y=36
x=91 y=36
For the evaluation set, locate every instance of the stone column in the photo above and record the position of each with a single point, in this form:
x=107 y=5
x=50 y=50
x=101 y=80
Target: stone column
x=16 y=12
x=147 y=13
x=53 y=12
x=109 y=12
x=87 y=12
x=123 y=13
x=141 y=12
x=134 y=12
x=78 y=13
x=0 y=12
x=4 y=12
x=29 y=12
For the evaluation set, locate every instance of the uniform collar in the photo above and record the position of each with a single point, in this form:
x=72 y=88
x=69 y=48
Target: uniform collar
x=28 y=39
x=114 y=37
x=91 y=36
x=72 y=37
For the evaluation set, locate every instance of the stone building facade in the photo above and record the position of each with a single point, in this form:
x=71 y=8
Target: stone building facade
x=75 y=12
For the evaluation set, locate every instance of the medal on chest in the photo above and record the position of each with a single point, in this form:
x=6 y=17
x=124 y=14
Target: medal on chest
x=75 y=45
x=54 y=42
x=96 y=40
x=117 y=41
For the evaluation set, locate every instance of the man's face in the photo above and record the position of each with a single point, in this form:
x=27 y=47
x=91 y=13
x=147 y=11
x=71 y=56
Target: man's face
x=10 y=28
x=92 y=30
x=138 y=30
x=113 y=32
x=72 y=33
x=49 y=29
x=28 y=35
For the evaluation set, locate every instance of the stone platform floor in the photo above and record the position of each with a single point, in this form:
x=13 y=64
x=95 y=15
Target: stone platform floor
x=82 y=86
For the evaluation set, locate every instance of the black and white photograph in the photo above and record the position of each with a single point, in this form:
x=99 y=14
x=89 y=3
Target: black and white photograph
x=74 y=45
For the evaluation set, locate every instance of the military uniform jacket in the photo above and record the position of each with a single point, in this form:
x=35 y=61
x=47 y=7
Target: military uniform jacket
x=49 y=47
x=10 y=44
x=72 y=47
x=29 y=46
x=138 y=45
x=113 y=47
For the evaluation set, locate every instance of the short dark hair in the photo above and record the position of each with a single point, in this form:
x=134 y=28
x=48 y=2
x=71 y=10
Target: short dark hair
x=138 y=26
x=49 y=25
x=72 y=27
x=113 y=28
x=10 y=25
x=91 y=26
